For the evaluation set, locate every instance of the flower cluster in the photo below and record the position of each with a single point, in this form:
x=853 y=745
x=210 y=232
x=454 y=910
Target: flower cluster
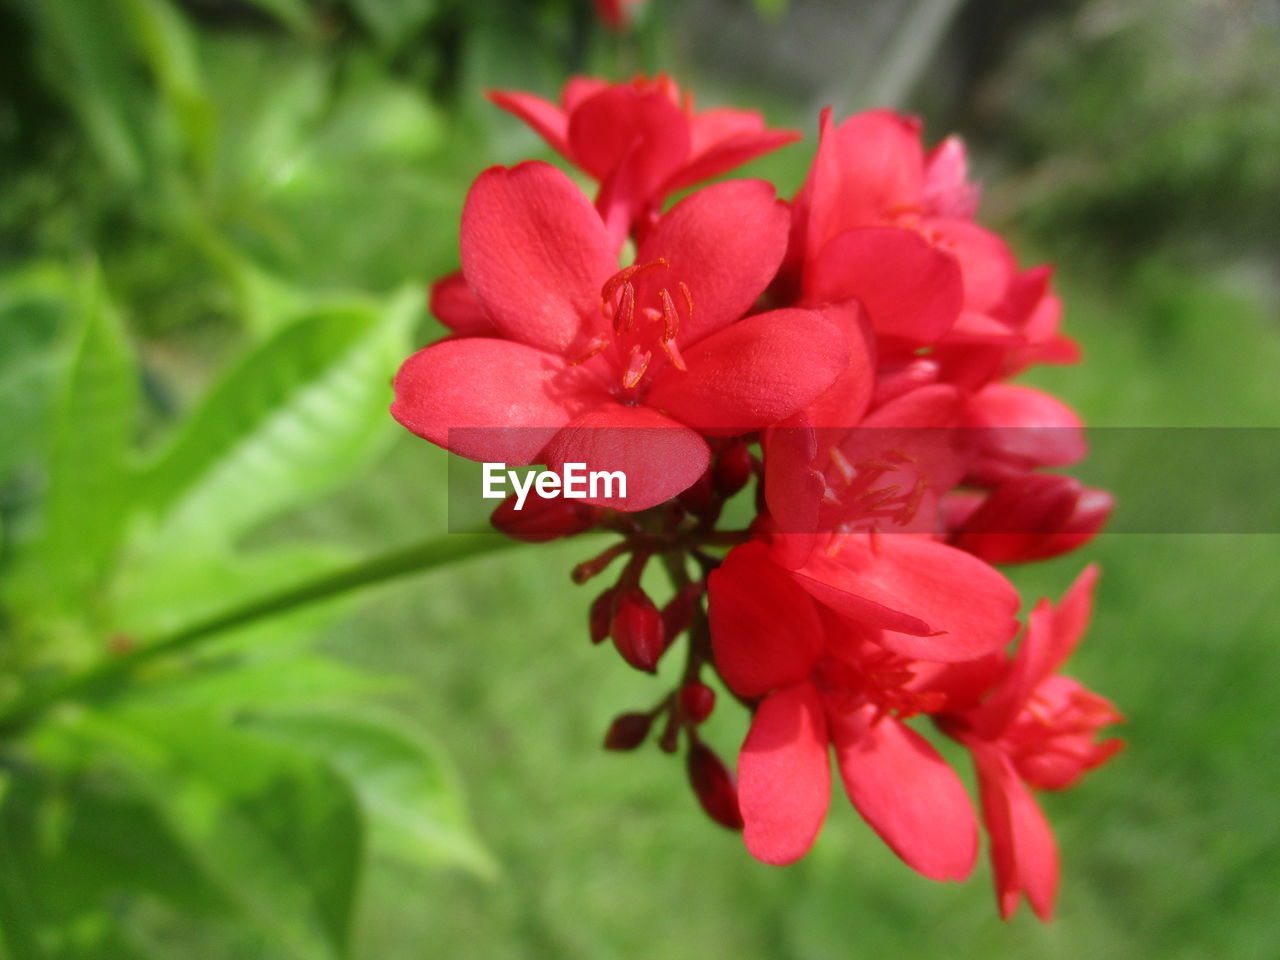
x=839 y=364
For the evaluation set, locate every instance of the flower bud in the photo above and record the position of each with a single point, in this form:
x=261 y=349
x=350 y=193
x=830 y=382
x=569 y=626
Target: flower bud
x=697 y=700
x=637 y=630
x=543 y=518
x=1033 y=517
x=732 y=470
x=600 y=618
x=628 y=731
x=678 y=613
x=714 y=786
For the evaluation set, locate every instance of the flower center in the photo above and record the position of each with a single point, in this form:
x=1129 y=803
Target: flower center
x=641 y=324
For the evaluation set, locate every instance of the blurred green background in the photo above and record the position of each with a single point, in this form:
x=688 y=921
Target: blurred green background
x=218 y=221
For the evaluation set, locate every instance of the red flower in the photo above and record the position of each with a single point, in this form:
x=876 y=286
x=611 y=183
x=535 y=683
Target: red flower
x=641 y=140
x=1036 y=729
x=620 y=370
x=843 y=676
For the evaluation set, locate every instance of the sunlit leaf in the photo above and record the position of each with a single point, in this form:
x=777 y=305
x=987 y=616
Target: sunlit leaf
x=89 y=487
x=295 y=419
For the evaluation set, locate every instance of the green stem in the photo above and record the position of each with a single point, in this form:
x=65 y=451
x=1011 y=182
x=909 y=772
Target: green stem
x=380 y=569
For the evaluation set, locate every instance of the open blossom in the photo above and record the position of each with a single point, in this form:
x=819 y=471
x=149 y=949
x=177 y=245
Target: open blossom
x=851 y=354
x=642 y=141
x=837 y=681
x=621 y=370
x=1035 y=729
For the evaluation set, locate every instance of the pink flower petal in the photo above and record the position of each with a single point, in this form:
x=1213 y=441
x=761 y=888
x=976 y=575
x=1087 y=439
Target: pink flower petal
x=490 y=400
x=659 y=457
x=911 y=289
x=725 y=242
x=546 y=119
x=933 y=602
x=907 y=793
x=454 y=305
x=536 y=254
x=765 y=631
x=784 y=776
x=1024 y=855
x=753 y=373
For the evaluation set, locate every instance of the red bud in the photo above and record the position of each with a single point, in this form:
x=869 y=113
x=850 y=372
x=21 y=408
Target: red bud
x=601 y=616
x=678 y=613
x=637 y=629
x=732 y=470
x=628 y=731
x=543 y=518
x=1033 y=517
x=697 y=700
x=714 y=786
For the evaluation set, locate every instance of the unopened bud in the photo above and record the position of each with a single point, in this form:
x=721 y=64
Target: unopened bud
x=732 y=470
x=637 y=629
x=714 y=787
x=697 y=700
x=543 y=518
x=678 y=613
x=1034 y=517
x=600 y=618
x=628 y=731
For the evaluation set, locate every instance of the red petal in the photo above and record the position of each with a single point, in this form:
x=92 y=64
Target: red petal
x=489 y=400
x=907 y=793
x=547 y=120
x=986 y=263
x=934 y=602
x=784 y=776
x=622 y=124
x=765 y=631
x=1027 y=427
x=846 y=400
x=535 y=253
x=658 y=456
x=710 y=157
x=454 y=305
x=867 y=169
x=911 y=289
x=1024 y=856
x=753 y=373
x=725 y=242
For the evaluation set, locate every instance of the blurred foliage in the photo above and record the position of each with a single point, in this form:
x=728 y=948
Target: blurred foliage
x=219 y=217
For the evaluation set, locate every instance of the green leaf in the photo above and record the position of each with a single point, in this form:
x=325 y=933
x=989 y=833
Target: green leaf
x=88 y=55
x=293 y=421
x=33 y=309
x=92 y=435
x=166 y=42
x=392 y=22
x=276 y=831
x=294 y=14
x=406 y=787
